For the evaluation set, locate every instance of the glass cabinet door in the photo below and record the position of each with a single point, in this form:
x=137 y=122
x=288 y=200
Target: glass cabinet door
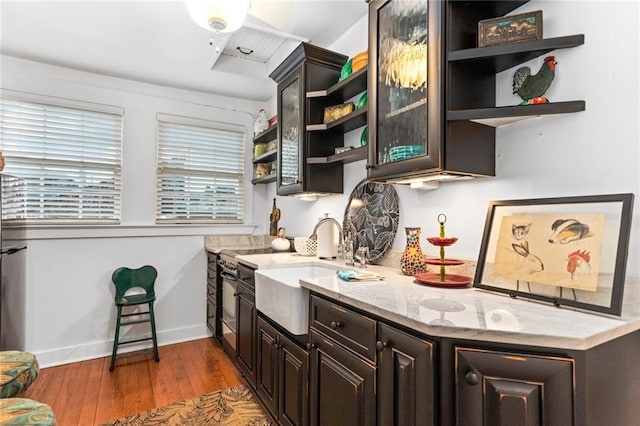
x=290 y=118
x=405 y=87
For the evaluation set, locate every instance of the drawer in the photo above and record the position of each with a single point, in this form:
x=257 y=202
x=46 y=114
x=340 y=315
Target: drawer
x=354 y=331
x=246 y=275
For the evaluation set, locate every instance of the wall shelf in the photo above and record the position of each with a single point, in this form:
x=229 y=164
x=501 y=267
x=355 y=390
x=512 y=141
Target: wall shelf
x=268 y=135
x=264 y=179
x=345 y=89
x=504 y=56
x=500 y=116
x=350 y=156
x=357 y=118
x=266 y=157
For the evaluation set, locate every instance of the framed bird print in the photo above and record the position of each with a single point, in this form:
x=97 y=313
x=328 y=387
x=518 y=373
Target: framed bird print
x=567 y=251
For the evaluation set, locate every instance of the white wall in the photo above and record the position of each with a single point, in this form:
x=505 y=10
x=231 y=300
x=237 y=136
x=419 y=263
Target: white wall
x=586 y=153
x=62 y=307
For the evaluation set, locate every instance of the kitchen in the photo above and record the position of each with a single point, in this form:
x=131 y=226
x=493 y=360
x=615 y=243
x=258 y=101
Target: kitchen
x=591 y=152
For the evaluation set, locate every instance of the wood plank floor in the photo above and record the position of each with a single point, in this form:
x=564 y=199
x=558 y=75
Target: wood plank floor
x=87 y=393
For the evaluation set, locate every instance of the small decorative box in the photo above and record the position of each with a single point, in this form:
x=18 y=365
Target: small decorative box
x=510 y=29
x=332 y=113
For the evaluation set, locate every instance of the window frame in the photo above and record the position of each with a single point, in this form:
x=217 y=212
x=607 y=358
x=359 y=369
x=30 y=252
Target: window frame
x=89 y=107
x=242 y=185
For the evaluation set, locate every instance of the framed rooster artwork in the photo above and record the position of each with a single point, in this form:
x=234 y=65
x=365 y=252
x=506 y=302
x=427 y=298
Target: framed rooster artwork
x=568 y=251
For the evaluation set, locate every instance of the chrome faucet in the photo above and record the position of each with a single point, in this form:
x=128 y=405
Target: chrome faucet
x=314 y=234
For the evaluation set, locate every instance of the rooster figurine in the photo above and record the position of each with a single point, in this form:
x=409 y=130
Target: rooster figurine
x=531 y=88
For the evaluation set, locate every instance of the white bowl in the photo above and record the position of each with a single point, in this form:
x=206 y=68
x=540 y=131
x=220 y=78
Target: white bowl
x=305 y=246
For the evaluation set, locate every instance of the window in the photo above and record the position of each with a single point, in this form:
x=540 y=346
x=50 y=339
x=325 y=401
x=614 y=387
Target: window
x=200 y=172
x=68 y=156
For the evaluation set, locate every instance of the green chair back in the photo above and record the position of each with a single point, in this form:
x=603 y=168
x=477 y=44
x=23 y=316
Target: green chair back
x=126 y=278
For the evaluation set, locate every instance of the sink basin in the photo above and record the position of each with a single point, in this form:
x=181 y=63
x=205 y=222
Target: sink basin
x=280 y=297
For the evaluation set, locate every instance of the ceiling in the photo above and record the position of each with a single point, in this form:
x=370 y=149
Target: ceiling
x=157 y=42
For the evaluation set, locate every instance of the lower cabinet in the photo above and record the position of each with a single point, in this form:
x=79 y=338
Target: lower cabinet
x=246 y=331
x=508 y=389
x=282 y=376
x=343 y=385
x=405 y=378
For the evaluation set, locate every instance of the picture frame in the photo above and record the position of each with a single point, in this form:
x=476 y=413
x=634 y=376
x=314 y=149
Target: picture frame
x=510 y=29
x=569 y=251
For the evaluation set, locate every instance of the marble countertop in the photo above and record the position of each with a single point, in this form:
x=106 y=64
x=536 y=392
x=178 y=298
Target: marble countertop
x=465 y=313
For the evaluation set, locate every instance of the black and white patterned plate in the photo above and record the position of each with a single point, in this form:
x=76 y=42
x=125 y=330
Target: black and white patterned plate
x=371 y=218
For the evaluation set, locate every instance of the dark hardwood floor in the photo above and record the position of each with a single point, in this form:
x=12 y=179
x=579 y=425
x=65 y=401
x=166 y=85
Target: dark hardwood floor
x=87 y=393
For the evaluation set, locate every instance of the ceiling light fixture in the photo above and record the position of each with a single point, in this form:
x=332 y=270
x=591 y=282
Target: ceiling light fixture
x=218 y=16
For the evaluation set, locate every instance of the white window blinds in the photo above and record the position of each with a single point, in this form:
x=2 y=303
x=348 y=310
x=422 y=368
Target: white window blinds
x=200 y=172
x=68 y=157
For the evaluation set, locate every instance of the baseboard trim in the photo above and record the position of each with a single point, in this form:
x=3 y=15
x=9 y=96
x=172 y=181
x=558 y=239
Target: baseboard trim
x=70 y=354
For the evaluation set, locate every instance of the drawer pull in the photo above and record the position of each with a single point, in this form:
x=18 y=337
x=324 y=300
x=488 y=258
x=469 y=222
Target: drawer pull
x=380 y=345
x=471 y=378
x=335 y=325
x=310 y=346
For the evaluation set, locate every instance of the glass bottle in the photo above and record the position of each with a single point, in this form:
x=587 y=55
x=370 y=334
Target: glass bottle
x=412 y=259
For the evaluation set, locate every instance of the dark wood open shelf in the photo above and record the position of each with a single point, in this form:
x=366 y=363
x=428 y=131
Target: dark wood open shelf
x=264 y=179
x=504 y=56
x=499 y=116
x=350 y=156
x=267 y=156
x=357 y=118
x=268 y=135
x=345 y=89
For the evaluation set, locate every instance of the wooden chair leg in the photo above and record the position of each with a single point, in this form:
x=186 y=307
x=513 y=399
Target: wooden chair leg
x=115 y=340
x=153 y=332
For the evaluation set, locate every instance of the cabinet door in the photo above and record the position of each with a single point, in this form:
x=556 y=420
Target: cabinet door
x=405 y=87
x=291 y=133
x=246 y=330
x=505 y=389
x=294 y=384
x=406 y=383
x=267 y=369
x=342 y=386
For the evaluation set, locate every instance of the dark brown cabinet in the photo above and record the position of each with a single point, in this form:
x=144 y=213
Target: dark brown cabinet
x=511 y=389
x=432 y=92
x=406 y=394
x=343 y=385
x=246 y=324
x=282 y=376
x=307 y=68
x=364 y=371
x=214 y=297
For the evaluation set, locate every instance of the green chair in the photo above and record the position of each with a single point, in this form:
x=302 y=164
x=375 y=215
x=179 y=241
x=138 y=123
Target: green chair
x=125 y=279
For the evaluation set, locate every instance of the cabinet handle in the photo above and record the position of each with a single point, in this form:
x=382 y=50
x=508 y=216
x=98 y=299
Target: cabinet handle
x=335 y=325
x=310 y=346
x=380 y=345
x=471 y=378
x=236 y=294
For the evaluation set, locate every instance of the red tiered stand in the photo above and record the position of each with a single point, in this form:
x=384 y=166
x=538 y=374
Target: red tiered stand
x=442 y=279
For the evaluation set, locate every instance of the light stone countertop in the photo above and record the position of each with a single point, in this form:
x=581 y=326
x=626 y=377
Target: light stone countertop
x=465 y=313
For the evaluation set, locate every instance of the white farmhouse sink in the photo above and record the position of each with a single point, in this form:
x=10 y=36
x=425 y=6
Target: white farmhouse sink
x=280 y=297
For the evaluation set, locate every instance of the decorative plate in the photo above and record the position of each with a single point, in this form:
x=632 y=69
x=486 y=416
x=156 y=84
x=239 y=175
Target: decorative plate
x=371 y=217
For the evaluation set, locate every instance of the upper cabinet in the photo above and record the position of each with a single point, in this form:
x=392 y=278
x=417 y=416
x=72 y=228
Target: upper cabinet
x=432 y=111
x=307 y=68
